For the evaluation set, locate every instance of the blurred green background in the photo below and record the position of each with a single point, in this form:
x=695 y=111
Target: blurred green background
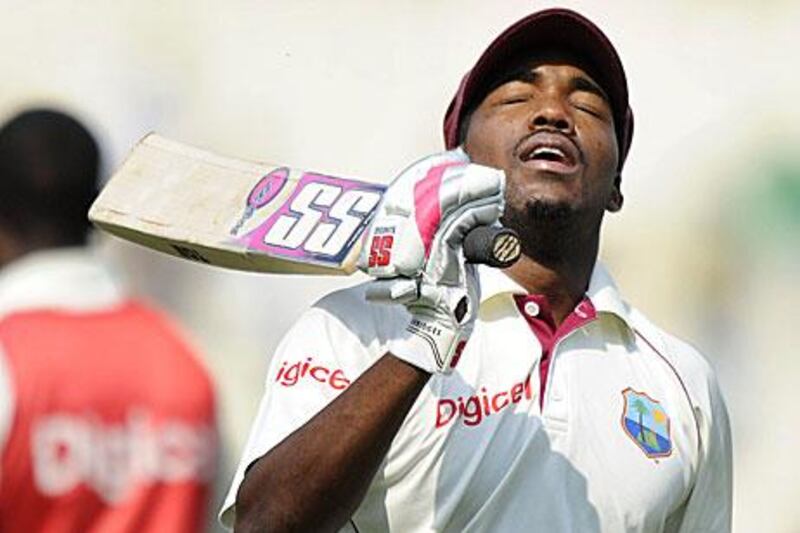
x=708 y=243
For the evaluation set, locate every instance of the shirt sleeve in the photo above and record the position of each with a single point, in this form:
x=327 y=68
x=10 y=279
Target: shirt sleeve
x=710 y=504
x=317 y=359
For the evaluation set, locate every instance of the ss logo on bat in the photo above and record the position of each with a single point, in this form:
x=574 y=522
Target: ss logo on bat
x=324 y=218
x=320 y=221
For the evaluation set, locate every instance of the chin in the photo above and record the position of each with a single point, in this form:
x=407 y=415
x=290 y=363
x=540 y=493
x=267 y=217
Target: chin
x=544 y=210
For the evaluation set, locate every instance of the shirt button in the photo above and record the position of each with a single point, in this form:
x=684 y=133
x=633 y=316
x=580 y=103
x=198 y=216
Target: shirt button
x=531 y=309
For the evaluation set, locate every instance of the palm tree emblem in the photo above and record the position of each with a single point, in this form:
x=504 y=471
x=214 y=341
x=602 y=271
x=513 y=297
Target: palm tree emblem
x=646 y=422
x=641 y=409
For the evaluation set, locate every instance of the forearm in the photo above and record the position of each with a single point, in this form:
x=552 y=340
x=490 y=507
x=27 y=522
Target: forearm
x=315 y=479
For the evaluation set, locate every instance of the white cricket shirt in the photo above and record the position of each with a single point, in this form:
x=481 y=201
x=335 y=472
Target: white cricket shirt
x=605 y=424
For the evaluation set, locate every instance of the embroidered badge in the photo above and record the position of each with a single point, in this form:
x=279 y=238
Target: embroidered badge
x=646 y=422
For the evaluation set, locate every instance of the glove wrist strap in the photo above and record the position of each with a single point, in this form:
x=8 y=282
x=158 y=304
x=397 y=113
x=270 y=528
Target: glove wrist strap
x=428 y=345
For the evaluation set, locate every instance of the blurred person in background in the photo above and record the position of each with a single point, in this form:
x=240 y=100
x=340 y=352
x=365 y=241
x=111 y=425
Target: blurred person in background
x=107 y=417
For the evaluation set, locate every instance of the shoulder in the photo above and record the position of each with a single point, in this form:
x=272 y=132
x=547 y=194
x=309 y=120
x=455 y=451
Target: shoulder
x=349 y=310
x=691 y=367
x=345 y=302
x=341 y=328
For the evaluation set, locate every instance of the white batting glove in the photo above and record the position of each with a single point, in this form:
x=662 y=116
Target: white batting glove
x=414 y=249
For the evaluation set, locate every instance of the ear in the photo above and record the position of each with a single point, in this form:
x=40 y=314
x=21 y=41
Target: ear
x=616 y=199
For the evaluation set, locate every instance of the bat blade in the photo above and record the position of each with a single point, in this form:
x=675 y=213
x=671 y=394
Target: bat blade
x=227 y=212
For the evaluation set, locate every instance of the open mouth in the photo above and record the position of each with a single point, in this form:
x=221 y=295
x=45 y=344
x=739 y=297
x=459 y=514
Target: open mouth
x=550 y=151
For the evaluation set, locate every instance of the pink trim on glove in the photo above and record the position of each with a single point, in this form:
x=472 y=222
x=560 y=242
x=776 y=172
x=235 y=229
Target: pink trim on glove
x=427 y=207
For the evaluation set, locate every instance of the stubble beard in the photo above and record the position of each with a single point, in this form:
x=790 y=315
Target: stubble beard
x=550 y=230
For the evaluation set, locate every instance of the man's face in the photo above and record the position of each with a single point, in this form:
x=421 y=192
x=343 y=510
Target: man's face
x=550 y=128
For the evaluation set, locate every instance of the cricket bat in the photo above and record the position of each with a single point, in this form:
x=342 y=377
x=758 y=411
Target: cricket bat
x=227 y=212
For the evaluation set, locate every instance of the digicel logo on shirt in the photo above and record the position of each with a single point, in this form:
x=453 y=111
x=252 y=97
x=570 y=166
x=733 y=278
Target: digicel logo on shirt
x=474 y=409
x=290 y=375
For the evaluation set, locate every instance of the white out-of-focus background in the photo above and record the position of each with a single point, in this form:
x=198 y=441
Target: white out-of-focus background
x=708 y=243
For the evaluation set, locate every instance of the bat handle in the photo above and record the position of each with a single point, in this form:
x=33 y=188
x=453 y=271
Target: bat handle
x=495 y=246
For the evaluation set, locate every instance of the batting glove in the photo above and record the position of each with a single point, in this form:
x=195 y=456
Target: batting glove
x=414 y=249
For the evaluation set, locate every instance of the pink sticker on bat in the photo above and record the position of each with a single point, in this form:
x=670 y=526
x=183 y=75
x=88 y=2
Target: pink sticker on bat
x=263 y=193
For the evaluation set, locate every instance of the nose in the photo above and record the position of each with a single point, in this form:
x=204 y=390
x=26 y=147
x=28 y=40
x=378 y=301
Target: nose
x=552 y=113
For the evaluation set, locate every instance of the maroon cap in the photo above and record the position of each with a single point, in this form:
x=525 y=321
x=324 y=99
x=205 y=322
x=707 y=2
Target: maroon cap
x=559 y=29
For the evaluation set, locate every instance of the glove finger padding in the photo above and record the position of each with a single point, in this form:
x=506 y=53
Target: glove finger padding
x=398 y=290
x=460 y=301
x=401 y=237
x=444 y=266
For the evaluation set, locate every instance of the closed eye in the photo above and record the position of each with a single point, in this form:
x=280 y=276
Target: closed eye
x=512 y=92
x=591 y=103
x=591 y=110
x=514 y=100
x=585 y=85
x=588 y=97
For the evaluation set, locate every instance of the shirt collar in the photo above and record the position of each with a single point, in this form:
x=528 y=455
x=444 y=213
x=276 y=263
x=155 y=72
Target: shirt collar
x=495 y=282
x=605 y=296
x=70 y=279
x=602 y=291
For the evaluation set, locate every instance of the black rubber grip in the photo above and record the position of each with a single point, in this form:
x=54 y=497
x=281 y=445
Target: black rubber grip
x=494 y=246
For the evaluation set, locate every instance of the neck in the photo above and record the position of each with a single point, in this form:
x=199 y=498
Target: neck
x=562 y=274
